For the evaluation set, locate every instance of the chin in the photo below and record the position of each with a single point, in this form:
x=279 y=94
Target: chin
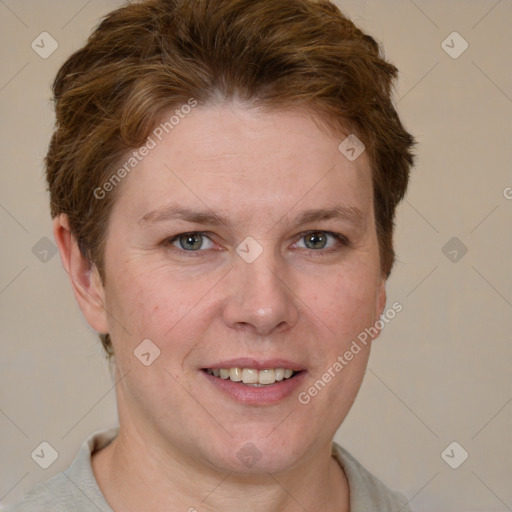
x=257 y=455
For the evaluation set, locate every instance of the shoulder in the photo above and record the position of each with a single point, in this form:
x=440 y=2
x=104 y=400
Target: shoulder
x=53 y=495
x=367 y=492
x=73 y=489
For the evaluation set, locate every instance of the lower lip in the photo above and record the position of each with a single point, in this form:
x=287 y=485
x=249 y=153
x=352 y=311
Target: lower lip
x=257 y=395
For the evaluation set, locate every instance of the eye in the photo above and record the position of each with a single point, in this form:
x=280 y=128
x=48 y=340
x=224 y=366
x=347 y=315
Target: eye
x=191 y=241
x=320 y=240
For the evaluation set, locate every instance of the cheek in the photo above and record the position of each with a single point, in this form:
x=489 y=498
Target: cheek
x=344 y=302
x=157 y=304
x=342 y=311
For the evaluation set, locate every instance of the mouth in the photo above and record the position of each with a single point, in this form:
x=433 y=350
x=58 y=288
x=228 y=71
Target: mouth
x=256 y=382
x=252 y=376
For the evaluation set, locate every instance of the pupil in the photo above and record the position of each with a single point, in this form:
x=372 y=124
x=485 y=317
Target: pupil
x=191 y=241
x=316 y=240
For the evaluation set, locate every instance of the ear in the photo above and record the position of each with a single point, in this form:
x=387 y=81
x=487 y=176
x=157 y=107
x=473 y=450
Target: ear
x=381 y=297
x=84 y=277
x=380 y=304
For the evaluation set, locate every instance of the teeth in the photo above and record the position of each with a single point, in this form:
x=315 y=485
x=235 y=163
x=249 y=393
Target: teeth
x=235 y=374
x=267 y=377
x=251 y=376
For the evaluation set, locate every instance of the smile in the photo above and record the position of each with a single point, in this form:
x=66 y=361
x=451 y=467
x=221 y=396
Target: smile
x=252 y=376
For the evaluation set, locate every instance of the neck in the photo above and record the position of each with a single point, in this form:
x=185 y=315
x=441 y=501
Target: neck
x=141 y=474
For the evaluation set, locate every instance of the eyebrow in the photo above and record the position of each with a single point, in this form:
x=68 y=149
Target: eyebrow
x=174 y=212
x=349 y=214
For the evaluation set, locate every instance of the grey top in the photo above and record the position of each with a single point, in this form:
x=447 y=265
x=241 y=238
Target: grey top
x=76 y=489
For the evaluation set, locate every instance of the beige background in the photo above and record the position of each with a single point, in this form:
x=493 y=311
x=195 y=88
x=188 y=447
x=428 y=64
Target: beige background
x=441 y=370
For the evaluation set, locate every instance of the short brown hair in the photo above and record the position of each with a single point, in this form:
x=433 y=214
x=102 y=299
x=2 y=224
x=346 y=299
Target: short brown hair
x=148 y=57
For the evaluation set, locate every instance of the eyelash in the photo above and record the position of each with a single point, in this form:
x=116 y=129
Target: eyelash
x=343 y=242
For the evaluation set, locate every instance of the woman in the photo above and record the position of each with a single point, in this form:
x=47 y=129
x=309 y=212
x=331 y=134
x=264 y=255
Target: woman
x=223 y=180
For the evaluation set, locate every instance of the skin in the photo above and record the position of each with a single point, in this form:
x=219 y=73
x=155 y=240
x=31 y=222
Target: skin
x=179 y=435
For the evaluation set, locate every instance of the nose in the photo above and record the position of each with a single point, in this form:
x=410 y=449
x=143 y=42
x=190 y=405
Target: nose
x=260 y=298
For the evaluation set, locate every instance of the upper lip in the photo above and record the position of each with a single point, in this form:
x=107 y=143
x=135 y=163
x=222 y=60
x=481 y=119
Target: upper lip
x=257 y=364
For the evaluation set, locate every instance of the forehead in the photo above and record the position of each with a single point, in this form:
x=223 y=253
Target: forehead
x=229 y=157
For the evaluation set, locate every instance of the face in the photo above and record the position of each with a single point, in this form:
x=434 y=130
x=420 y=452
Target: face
x=242 y=244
